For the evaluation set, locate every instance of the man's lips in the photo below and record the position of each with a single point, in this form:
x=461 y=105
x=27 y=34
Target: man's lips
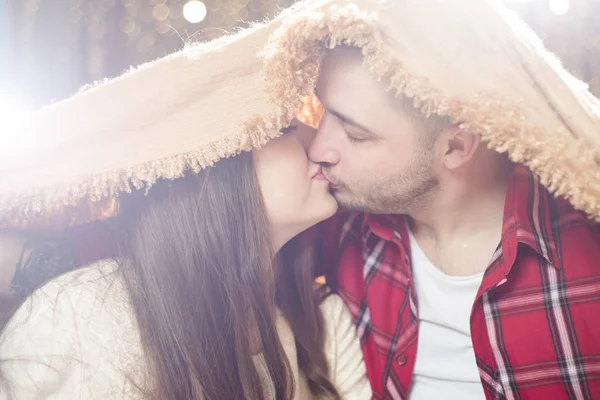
x=320 y=176
x=332 y=185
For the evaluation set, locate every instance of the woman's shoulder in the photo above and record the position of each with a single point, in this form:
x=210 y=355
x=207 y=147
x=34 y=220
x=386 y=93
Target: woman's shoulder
x=342 y=349
x=78 y=326
x=337 y=322
x=333 y=309
x=90 y=276
x=84 y=298
x=93 y=288
x=73 y=304
x=83 y=279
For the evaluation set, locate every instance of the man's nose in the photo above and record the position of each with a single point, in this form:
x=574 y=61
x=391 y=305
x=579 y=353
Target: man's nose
x=324 y=148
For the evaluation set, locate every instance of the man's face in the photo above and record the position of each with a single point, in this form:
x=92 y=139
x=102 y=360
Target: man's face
x=376 y=156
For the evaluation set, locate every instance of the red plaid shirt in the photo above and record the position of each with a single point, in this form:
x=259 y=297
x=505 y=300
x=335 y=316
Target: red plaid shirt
x=534 y=325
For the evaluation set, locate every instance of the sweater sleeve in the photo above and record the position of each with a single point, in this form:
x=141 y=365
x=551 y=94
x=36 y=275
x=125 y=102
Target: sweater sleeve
x=74 y=338
x=342 y=348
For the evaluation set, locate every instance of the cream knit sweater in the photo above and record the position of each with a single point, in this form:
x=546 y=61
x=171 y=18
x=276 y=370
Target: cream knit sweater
x=76 y=338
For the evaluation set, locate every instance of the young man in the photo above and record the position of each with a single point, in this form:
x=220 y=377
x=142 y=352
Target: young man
x=466 y=277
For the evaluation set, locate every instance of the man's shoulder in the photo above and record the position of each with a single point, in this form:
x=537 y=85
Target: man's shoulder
x=571 y=230
x=574 y=236
x=544 y=220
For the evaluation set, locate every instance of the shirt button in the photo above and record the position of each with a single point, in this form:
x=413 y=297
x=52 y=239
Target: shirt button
x=401 y=360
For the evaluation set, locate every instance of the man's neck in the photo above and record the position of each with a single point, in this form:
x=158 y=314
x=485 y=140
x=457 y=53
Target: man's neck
x=462 y=227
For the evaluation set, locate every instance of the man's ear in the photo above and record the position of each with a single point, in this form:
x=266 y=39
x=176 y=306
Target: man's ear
x=459 y=146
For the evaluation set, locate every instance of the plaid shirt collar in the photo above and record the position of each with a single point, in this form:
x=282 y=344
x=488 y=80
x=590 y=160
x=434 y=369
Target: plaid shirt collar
x=525 y=220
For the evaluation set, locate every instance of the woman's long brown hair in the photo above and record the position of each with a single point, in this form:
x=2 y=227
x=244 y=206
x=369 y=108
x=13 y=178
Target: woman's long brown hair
x=197 y=259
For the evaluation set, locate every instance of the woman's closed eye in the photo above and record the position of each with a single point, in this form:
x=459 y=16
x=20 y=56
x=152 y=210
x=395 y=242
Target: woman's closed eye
x=288 y=129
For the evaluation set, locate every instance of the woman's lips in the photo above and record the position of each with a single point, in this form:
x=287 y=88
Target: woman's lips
x=319 y=176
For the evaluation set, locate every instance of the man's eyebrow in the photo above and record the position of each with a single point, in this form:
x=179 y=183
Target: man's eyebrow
x=347 y=120
x=344 y=118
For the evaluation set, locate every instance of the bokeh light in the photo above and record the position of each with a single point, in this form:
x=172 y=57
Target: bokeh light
x=559 y=7
x=194 y=11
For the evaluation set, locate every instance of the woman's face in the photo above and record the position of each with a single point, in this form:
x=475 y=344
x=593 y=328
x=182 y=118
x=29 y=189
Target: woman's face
x=295 y=193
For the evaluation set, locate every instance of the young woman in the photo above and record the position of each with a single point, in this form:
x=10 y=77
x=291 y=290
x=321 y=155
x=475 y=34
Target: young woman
x=211 y=296
x=211 y=292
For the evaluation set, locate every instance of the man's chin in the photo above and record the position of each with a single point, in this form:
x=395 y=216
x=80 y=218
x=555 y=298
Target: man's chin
x=346 y=200
x=339 y=196
x=349 y=201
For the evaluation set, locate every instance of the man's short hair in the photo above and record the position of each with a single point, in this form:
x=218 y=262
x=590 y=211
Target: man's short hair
x=431 y=125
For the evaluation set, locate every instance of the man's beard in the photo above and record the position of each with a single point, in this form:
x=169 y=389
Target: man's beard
x=396 y=195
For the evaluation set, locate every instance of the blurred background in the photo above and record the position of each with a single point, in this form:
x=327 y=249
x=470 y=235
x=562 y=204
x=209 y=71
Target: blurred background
x=50 y=48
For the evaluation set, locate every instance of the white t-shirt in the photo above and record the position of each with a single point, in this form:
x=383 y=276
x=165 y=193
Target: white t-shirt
x=445 y=367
